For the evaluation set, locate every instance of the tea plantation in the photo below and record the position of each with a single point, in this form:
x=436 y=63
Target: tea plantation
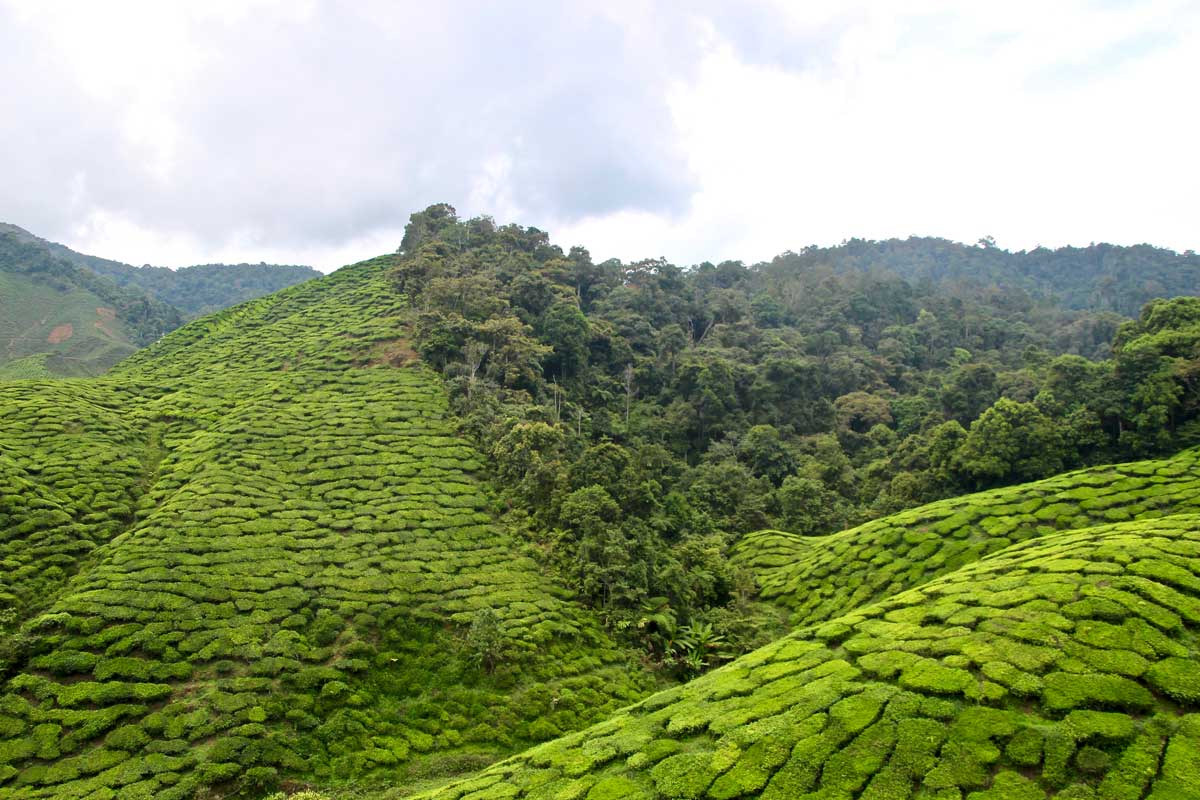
x=257 y=558
x=819 y=578
x=257 y=553
x=1062 y=666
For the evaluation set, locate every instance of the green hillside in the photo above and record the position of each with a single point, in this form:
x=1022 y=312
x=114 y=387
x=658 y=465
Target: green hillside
x=820 y=577
x=205 y=288
x=413 y=527
x=194 y=290
x=60 y=319
x=1065 y=665
x=1101 y=277
x=63 y=313
x=257 y=551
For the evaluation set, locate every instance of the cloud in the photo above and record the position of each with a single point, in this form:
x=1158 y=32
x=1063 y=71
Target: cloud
x=308 y=131
x=935 y=118
x=317 y=123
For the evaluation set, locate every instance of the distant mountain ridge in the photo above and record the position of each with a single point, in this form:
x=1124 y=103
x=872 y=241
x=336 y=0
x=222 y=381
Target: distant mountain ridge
x=1099 y=277
x=205 y=288
x=67 y=313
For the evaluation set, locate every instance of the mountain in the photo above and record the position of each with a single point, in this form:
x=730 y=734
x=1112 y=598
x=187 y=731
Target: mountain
x=65 y=313
x=59 y=318
x=1066 y=664
x=477 y=520
x=257 y=548
x=1099 y=277
x=204 y=288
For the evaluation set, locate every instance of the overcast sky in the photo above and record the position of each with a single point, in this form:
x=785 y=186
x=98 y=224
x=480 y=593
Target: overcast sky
x=306 y=132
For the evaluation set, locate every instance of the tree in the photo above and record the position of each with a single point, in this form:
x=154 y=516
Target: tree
x=603 y=464
x=426 y=224
x=860 y=411
x=1011 y=442
x=604 y=559
x=565 y=329
x=627 y=382
x=970 y=389
x=734 y=500
x=529 y=462
x=485 y=640
x=764 y=451
x=808 y=508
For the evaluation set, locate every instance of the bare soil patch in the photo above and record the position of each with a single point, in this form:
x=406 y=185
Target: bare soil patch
x=61 y=333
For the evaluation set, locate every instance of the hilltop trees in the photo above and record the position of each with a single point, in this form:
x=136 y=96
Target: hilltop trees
x=1011 y=442
x=641 y=414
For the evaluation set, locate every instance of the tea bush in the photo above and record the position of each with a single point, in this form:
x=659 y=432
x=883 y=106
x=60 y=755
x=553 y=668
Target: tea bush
x=250 y=554
x=818 y=578
x=967 y=686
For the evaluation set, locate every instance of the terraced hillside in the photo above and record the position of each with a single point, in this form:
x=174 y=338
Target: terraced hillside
x=1066 y=665
x=64 y=313
x=257 y=552
x=821 y=577
x=61 y=329
x=71 y=468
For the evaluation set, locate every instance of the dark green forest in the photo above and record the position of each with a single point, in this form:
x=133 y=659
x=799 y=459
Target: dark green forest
x=1099 y=277
x=642 y=417
x=205 y=288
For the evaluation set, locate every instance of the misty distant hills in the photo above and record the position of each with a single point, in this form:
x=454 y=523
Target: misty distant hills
x=1099 y=277
x=67 y=313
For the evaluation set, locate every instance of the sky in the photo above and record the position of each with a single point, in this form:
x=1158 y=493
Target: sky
x=300 y=131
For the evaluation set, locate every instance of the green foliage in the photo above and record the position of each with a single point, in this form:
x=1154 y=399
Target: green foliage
x=1011 y=442
x=249 y=556
x=484 y=638
x=898 y=698
x=259 y=553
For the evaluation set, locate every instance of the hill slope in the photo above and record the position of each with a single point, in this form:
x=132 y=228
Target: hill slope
x=1067 y=664
x=1099 y=277
x=195 y=290
x=65 y=313
x=205 y=288
x=58 y=318
x=291 y=574
x=820 y=577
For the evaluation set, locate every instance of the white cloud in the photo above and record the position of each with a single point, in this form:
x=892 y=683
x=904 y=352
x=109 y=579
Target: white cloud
x=306 y=132
x=937 y=122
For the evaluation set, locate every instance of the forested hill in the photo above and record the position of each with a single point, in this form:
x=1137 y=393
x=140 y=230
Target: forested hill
x=204 y=288
x=642 y=417
x=62 y=319
x=65 y=313
x=1099 y=277
x=194 y=290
